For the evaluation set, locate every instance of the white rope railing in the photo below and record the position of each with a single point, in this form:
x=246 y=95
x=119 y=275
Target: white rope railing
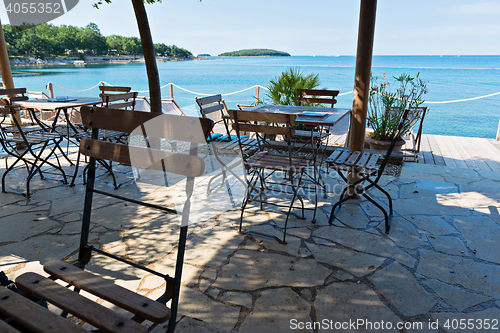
x=447 y=102
x=347 y=93
x=265 y=88
x=55 y=85
x=464 y=100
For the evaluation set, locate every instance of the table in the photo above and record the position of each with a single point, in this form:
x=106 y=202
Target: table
x=57 y=106
x=334 y=117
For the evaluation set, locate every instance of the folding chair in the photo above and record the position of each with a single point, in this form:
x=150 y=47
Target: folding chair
x=30 y=147
x=292 y=165
x=365 y=166
x=140 y=308
x=112 y=97
x=214 y=108
x=118 y=97
x=412 y=146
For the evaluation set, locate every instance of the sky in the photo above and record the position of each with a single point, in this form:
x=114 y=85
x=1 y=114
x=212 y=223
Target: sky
x=313 y=27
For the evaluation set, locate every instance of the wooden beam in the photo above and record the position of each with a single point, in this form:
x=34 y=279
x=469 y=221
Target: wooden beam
x=366 y=33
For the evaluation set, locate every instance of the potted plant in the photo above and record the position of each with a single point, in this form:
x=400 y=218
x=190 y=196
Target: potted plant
x=385 y=108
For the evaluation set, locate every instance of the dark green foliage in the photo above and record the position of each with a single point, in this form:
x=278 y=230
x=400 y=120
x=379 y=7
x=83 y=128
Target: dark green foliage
x=283 y=89
x=255 y=53
x=47 y=39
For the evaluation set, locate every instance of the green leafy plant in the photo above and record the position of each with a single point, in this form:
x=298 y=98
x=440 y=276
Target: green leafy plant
x=386 y=107
x=283 y=89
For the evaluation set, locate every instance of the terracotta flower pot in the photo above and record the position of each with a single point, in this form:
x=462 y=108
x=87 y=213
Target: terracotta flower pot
x=384 y=145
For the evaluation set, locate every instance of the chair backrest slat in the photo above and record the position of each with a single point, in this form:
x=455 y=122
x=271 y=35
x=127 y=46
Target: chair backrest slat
x=243 y=122
x=315 y=96
x=118 y=97
x=18 y=98
x=266 y=129
x=146 y=158
x=211 y=109
x=177 y=128
x=209 y=99
x=122 y=105
x=13 y=91
x=115 y=89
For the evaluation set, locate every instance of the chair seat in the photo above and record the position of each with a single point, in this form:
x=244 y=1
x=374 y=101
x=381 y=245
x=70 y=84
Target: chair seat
x=74 y=303
x=34 y=137
x=108 y=134
x=32 y=316
x=279 y=162
x=353 y=158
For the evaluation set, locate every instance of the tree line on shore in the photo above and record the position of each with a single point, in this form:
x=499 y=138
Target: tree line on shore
x=45 y=40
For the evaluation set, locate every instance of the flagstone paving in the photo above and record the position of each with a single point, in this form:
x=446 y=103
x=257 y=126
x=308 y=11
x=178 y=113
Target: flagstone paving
x=440 y=263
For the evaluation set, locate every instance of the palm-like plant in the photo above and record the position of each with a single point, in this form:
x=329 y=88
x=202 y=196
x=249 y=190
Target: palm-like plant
x=283 y=89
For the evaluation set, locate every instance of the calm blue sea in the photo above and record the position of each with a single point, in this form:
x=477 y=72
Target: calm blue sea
x=449 y=78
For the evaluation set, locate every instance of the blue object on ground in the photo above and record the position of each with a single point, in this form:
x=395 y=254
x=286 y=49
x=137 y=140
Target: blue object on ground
x=214 y=137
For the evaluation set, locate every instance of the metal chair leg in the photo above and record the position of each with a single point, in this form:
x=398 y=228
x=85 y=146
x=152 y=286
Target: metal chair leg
x=386 y=217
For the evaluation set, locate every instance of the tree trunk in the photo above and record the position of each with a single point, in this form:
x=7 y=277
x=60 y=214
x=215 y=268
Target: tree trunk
x=149 y=55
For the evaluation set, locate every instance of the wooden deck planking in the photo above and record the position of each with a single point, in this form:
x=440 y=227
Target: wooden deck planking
x=426 y=150
x=461 y=152
x=475 y=156
x=454 y=153
x=487 y=152
x=469 y=161
x=436 y=152
x=449 y=160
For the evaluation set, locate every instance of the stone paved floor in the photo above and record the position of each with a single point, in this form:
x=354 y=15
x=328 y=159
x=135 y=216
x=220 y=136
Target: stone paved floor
x=440 y=263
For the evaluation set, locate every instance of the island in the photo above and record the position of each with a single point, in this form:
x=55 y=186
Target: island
x=255 y=53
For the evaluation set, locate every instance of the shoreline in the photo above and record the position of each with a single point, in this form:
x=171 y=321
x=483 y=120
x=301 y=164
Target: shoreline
x=77 y=61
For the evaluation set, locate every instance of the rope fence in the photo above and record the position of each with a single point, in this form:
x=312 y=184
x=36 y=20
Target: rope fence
x=260 y=87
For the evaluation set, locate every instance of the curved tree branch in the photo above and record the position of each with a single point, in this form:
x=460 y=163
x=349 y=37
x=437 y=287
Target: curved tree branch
x=149 y=55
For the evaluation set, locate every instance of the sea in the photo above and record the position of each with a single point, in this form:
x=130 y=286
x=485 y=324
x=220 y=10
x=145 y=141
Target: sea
x=449 y=80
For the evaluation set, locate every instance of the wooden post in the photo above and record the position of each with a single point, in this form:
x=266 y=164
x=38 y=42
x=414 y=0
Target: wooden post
x=50 y=88
x=171 y=90
x=257 y=93
x=5 y=72
x=366 y=32
x=498 y=131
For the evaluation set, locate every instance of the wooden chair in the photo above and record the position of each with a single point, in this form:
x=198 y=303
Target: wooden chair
x=140 y=308
x=312 y=97
x=412 y=146
x=118 y=97
x=112 y=97
x=214 y=108
x=34 y=148
x=292 y=165
x=365 y=165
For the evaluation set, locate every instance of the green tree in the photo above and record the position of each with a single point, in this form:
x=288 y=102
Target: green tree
x=132 y=45
x=162 y=49
x=148 y=51
x=67 y=35
x=90 y=39
x=115 y=43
